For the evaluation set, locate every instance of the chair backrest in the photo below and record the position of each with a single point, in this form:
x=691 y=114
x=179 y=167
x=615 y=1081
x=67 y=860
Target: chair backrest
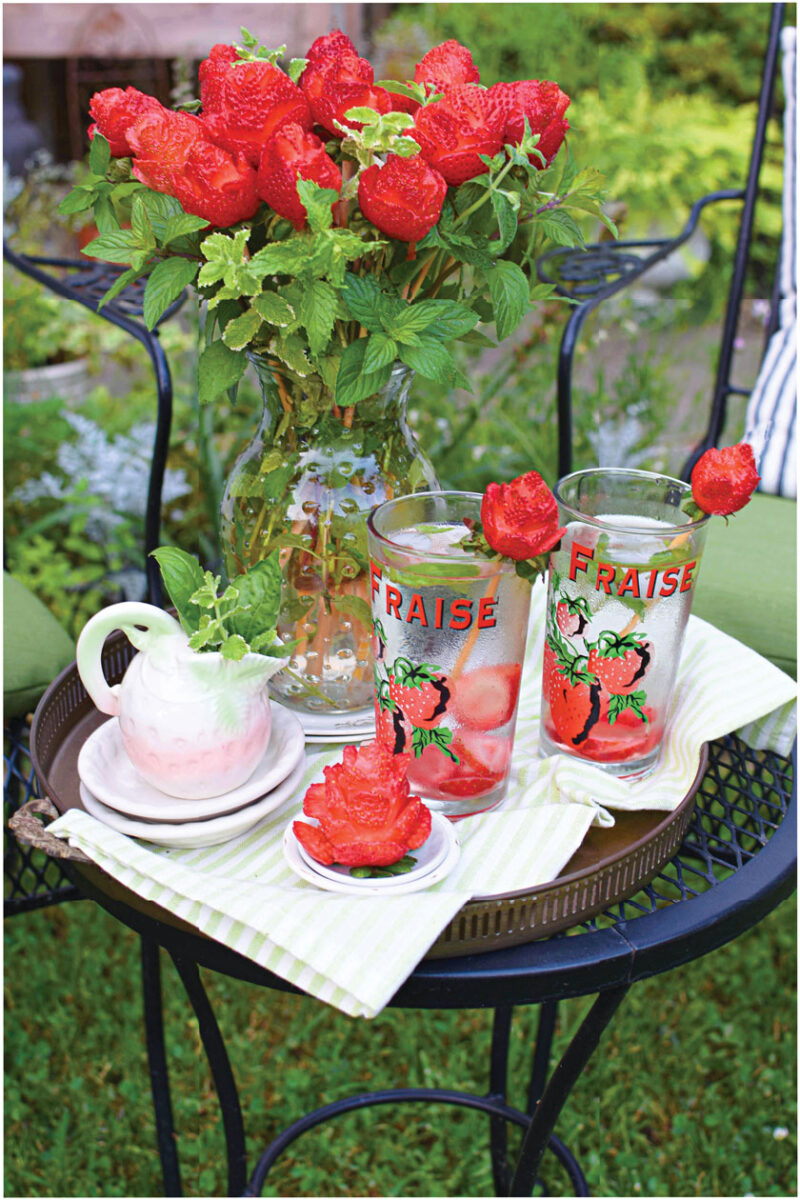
x=594 y=274
x=770 y=424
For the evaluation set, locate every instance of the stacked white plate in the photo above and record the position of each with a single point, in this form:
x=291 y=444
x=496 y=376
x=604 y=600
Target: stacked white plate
x=358 y=725
x=435 y=859
x=113 y=790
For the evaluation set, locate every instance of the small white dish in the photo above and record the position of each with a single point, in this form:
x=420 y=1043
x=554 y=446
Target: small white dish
x=441 y=849
x=112 y=779
x=353 y=726
x=191 y=835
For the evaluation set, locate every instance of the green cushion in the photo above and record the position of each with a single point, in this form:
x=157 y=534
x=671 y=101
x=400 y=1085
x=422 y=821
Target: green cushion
x=747 y=582
x=35 y=648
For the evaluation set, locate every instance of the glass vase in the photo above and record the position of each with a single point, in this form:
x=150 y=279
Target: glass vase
x=304 y=486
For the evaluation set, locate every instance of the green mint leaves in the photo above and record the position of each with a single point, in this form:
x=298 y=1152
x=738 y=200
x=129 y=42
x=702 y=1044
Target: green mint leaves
x=414 y=333
x=237 y=620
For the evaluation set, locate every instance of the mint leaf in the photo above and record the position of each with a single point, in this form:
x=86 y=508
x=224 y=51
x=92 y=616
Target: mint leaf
x=431 y=359
x=182 y=575
x=78 y=200
x=118 y=246
x=318 y=313
x=160 y=208
x=180 y=225
x=166 y=282
x=352 y=382
x=506 y=220
x=317 y=202
x=99 y=155
x=219 y=369
x=365 y=300
x=510 y=296
x=381 y=349
x=241 y=330
x=273 y=309
x=260 y=595
x=119 y=285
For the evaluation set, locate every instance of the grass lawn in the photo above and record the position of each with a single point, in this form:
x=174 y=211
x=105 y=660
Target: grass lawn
x=692 y=1091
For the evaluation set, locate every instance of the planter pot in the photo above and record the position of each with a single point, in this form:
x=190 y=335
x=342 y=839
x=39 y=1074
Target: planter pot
x=69 y=380
x=305 y=486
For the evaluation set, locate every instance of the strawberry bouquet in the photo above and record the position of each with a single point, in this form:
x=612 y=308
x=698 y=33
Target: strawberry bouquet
x=344 y=234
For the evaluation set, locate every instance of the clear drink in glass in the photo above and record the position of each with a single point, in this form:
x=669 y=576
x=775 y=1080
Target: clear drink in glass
x=620 y=588
x=449 y=631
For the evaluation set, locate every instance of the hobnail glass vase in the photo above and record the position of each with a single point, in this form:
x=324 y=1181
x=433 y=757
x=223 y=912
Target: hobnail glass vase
x=305 y=485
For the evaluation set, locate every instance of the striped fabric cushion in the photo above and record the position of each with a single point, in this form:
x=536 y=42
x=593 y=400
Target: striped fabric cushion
x=770 y=425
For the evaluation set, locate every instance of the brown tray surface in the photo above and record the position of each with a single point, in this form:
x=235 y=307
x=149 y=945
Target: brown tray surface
x=610 y=865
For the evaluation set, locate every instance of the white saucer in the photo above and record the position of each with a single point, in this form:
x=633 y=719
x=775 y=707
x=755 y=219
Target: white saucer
x=193 y=834
x=356 y=725
x=436 y=858
x=110 y=776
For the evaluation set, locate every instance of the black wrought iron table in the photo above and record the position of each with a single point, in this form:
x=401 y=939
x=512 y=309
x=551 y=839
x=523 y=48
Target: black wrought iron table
x=736 y=863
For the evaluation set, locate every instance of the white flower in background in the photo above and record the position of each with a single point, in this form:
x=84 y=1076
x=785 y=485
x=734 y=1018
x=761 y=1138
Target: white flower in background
x=113 y=470
x=780 y=1132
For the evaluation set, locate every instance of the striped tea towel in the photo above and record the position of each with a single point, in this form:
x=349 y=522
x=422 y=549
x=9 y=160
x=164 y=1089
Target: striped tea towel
x=354 y=952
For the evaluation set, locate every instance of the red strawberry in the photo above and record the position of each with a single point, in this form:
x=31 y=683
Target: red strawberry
x=391 y=729
x=629 y=736
x=403 y=198
x=437 y=775
x=620 y=661
x=574 y=709
x=572 y=693
x=572 y=616
x=486 y=698
x=486 y=754
x=419 y=693
x=724 y=480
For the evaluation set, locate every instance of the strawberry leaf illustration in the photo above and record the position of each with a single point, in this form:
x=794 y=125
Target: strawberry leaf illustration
x=440 y=738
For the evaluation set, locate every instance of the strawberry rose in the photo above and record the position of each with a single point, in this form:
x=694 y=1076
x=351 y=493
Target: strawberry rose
x=365 y=813
x=724 y=480
x=543 y=104
x=520 y=519
x=244 y=103
x=291 y=154
x=337 y=81
x=174 y=155
x=115 y=111
x=447 y=65
x=330 y=45
x=403 y=198
x=454 y=131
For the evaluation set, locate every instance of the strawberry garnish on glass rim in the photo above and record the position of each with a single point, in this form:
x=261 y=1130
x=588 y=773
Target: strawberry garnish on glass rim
x=723 y=481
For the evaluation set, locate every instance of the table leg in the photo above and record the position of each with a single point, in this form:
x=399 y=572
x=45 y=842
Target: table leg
x=221 y=1072
x=498 y=1089
x=559 y=1087
x=157 y=1060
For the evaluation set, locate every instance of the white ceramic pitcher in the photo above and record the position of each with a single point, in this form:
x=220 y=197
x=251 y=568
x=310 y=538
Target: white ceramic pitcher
x=194 y=724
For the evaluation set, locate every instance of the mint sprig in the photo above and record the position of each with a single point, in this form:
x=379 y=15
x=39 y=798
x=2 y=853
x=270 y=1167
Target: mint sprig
x=235 y=620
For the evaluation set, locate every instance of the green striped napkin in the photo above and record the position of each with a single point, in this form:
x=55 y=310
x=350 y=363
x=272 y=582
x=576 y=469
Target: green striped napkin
x=355 y=952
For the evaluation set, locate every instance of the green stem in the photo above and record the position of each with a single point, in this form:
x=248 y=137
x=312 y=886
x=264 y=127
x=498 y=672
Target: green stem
x=309 y=687
x=482 y=200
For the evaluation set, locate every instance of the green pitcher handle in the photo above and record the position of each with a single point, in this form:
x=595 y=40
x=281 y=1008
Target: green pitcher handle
x=140 y=622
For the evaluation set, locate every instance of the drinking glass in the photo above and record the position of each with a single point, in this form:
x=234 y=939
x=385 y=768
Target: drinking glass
x=620 y=589
x=449 y=630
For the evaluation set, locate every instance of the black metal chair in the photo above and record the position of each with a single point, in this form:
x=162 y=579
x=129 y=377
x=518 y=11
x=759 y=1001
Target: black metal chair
x=602 y=270
x=32 y=880
x=765 y=531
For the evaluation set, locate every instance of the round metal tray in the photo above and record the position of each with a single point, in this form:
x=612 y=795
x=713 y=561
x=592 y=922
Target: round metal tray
x=609 y=866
